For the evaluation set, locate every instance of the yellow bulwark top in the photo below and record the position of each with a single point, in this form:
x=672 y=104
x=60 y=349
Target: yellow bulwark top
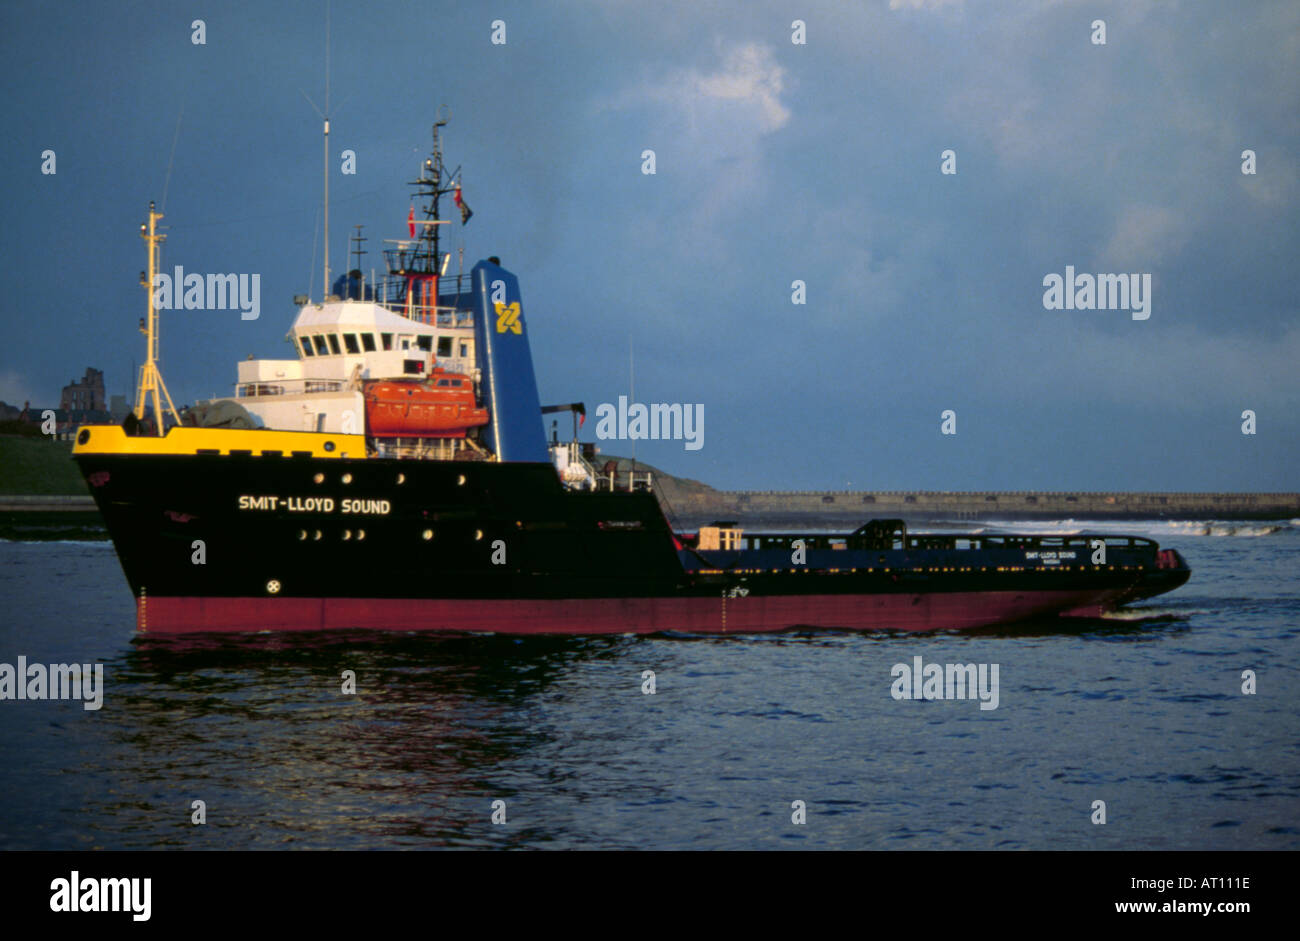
x=112 y=439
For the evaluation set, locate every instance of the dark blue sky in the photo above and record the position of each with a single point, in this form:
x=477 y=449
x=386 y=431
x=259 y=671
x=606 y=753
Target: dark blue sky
x=775 y=162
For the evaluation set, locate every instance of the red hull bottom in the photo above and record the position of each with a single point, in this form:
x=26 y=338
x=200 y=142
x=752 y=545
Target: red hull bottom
x=749 y=614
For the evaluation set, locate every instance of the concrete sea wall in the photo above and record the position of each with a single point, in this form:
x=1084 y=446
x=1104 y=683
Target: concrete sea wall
x=853 y=507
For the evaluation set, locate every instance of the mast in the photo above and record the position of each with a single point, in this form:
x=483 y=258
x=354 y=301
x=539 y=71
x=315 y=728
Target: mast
x=419 y=262
x=357 y=250
x=422 y=273
x=325 y=294
x=151 y=381
x=325 y=118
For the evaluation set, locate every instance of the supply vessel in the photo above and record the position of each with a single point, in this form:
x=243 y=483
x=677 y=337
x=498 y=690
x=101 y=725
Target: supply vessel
x=397 y=475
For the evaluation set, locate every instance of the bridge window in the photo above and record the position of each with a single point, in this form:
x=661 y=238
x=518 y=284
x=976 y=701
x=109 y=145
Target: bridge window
x=334 y=344
x=868 y=499
x=321 y=348
x=350 y=342
x=387 y=340
x=909 y=499
x=464 y=348
x=444 y=346
x=306 y=346
x=368 y=342
x=424 y=342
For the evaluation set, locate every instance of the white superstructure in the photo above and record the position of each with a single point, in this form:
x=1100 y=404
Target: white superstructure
x=341 y=344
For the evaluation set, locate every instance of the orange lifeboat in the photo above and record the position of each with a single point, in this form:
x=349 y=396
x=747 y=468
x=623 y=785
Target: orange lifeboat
x=441 y=406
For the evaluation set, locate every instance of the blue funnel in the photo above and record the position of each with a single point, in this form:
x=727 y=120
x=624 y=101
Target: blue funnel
x=514 y=431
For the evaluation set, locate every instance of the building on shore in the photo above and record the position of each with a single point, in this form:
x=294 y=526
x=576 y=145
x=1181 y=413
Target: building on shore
x=86 y=394
x=82 y=402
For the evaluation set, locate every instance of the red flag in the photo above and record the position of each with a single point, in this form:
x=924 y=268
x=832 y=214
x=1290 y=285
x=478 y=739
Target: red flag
x=410 y=221
x=465 y=211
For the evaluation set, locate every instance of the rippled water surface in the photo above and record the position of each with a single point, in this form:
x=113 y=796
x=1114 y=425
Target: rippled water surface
x=1143 y=711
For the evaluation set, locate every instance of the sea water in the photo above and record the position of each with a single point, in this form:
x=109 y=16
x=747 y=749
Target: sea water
x=1135 y=731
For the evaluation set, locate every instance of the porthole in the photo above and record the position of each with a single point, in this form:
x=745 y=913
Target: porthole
x=329 y=445
x=316 y=537
x=427 y=535
x=347 y=478
x=361 y=534
x=460 y=481
x=347 y=534
x=478 y=534
x=84 y=436
x=302 y=535
x=319 y=479
x=401 y=478
x=273 y=587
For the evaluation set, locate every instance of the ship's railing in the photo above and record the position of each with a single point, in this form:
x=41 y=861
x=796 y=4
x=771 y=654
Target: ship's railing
x=439 y=316
x=945 y=541
x=392 y=296
x=252 y=390
x=462 y=366
x=575 y=471
x=632 y=481
x=420 y=449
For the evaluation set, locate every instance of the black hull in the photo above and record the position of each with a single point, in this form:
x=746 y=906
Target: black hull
x=252 y=528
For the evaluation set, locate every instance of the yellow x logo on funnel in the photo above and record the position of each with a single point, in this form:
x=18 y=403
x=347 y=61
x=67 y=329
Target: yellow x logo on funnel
x=508 y=318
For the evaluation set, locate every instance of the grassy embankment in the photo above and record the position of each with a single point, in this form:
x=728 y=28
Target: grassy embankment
x=38 y=466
